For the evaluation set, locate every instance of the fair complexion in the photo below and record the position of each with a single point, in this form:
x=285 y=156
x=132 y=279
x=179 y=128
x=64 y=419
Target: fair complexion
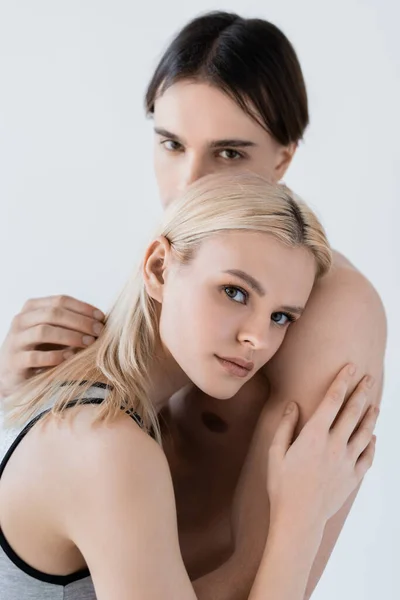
x=192 y=141
x=92 y=467
x=234 y=305
x=233 y=302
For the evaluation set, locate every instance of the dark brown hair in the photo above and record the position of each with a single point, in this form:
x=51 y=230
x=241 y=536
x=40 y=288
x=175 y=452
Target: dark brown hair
x=250 y=60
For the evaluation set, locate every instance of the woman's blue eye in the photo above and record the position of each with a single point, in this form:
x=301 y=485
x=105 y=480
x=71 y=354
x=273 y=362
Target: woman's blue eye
x=281 y=318
x=235 y=294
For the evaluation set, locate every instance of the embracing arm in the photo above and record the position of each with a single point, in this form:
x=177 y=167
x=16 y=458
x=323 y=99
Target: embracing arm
x=344 y=321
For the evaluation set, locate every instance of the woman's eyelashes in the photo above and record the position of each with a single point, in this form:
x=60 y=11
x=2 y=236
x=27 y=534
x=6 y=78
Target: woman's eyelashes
x=236 y=294
x=240 y=296
x=277 y=317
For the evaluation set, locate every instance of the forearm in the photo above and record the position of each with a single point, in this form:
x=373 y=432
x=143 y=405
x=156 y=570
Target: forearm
x=283 y=573
x=287 y=560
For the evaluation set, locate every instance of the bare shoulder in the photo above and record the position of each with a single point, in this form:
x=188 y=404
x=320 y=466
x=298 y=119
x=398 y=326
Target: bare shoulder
x=344 y=321
x=122 y=513
x=106 y=489
x=93 y=451
x=74 y=458
x=65 y=462
x=344 y=288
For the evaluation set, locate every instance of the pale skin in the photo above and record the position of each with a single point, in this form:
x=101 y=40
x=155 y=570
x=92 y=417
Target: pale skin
x=125 y=530
x=209 y=441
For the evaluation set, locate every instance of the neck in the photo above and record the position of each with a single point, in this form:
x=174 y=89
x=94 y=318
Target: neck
x=165 y=377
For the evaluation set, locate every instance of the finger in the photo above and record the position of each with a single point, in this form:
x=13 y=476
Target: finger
x=59 y=317
x=366 y=459
x=285 y=431
x=364 y=434
x=65 y=302
x=350 y=416
x=334 y=398
x=33 y=359
x=48 y=334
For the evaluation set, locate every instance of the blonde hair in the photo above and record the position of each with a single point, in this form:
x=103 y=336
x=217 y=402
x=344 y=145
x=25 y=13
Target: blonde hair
x=125 y=350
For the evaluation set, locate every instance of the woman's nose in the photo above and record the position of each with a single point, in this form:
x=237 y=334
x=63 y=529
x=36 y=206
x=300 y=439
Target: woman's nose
x=256 y=334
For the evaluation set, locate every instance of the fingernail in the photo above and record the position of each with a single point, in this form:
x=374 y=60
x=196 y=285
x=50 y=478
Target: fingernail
x=370 y=381
x=68 y=354
x=88 y=339
x=352 y=369
x=289 y=408
x=98 y=315
x=98 y=328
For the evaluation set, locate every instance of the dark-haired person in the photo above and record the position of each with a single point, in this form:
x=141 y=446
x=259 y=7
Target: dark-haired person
x=228 y=95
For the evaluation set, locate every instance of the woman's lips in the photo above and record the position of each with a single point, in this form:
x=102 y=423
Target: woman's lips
x=235 y=366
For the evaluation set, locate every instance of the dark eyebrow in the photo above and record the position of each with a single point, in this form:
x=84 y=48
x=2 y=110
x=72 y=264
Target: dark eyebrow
x=165 y=133
x=257 y=287
x=232 y=143
x=216 y=144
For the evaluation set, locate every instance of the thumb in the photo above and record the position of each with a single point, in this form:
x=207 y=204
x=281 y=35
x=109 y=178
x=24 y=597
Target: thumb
x=285 y=431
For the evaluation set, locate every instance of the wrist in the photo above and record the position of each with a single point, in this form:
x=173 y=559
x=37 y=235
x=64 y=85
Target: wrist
x=298 y=523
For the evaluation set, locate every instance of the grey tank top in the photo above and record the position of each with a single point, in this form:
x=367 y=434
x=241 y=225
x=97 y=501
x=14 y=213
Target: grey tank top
x=18 y=580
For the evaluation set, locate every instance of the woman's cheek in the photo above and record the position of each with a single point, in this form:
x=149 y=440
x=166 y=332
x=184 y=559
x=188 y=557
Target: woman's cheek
x=203 y=315
x=277 y=339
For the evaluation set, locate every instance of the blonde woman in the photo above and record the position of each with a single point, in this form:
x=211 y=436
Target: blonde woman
x=86 y=498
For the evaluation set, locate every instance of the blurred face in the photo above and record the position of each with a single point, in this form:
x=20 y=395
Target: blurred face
x=199 y=130
x=225 y=314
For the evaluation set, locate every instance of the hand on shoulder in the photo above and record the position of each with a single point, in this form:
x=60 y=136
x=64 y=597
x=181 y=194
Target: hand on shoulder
x=46 y=332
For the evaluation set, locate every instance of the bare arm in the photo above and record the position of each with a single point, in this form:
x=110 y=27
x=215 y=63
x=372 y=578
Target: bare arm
x=136 y=549
x=135 y=553
x=118 y=508
x=344 y=321
x=107 y=489
x=233 y=580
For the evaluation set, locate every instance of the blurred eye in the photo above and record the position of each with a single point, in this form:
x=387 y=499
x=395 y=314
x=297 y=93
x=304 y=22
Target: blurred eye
x=230 y=154
x=172 y=145
x=282 y=319
x=236 y=294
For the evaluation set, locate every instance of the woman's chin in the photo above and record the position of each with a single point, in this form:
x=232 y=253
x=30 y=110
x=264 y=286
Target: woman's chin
x=219 y=392
x=212 y=380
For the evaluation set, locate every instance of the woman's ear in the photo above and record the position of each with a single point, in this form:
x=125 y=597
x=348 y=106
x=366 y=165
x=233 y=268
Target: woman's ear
x=154 y=264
